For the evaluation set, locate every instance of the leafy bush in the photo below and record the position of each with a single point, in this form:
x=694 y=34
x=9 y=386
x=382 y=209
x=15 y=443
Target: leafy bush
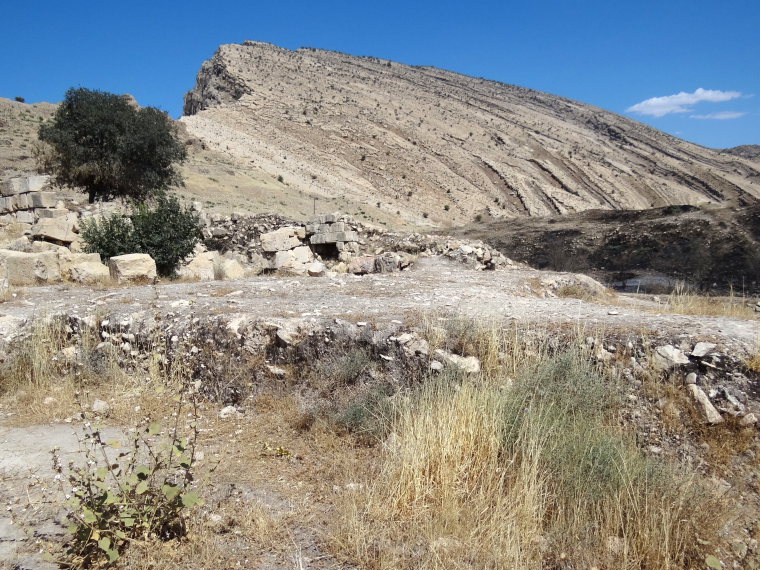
x=167 y=231
x=109 y=236
x=20 y=100
x=140 y=495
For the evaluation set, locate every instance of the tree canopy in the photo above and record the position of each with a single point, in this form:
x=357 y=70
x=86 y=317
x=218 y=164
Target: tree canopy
x=103 y=144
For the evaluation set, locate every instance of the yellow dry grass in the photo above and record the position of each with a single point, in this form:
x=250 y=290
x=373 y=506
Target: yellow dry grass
x=685 y=301
x=491 y=473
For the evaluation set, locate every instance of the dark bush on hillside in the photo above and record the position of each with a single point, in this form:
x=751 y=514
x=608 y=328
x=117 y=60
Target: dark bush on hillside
x=166 y=230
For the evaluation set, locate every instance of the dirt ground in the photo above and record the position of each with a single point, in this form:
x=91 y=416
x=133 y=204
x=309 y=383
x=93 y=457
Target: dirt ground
x=287 y=498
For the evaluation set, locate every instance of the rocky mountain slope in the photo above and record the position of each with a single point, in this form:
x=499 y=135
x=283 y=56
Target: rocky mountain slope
x=420 y=145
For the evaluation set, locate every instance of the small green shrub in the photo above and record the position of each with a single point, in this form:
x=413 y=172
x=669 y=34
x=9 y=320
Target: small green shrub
x=368 y=415
x=110 y=236
x=167 y=231
x=141 y=494
x=20 y=100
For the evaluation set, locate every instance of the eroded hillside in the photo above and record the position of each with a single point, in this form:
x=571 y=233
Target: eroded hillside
x=420 y=145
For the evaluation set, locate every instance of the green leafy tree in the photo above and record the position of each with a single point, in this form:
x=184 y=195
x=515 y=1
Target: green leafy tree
x=106 y=146
x=166 y=230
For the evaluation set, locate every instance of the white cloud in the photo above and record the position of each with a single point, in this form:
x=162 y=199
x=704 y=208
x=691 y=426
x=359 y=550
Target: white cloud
x=680 y=102
x=721 y=116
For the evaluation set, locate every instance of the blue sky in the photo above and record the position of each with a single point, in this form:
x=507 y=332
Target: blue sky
x=616 y=55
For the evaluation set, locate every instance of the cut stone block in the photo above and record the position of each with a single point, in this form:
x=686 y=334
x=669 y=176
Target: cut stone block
x=283 y=239
x=25 y=217
x=43 y=199
x=89 y=273
x=21 y=268
x=132 y=267
x=55 y=229
x=52 y=212
x=23 y=184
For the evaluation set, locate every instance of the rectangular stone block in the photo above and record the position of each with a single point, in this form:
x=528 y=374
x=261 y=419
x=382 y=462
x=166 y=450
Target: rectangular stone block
x=280 y=240
x=30 y=268
x=23 y=202
x=347 y=236
x=52 y=212
x=54 y=229
x=14 y=186
x=25 y=217
x=331 y=218
x=43 y=199
x=23 y=184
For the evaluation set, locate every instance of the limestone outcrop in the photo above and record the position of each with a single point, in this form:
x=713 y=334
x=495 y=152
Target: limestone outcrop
x=427 y=146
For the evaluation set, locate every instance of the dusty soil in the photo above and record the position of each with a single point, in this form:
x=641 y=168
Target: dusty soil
x=433 y=285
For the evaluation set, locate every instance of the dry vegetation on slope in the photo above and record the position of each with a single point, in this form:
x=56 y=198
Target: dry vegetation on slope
x=421 y=145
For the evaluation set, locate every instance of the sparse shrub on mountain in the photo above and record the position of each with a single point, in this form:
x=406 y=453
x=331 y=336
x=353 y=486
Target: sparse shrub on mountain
x=165 y=230
x=104 y=145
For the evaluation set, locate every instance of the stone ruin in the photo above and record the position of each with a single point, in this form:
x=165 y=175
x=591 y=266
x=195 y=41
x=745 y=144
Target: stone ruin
x=333 y=236
x=27 y=203
x=337 y=242
x=42 y=244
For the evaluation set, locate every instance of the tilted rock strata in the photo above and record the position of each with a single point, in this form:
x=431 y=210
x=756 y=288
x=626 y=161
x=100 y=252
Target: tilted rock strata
x=436 y=146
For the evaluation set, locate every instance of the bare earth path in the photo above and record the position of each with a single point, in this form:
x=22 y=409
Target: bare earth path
x=434 y=285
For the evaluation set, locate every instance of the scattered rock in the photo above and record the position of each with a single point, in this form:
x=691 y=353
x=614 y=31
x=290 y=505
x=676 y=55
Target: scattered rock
x=668 y=356
x=748 y=420
x=101 y=407
x=229 y=412
x=232 y=269
x=704 y=406
x=362 y=265
x=204 y=266
x=316 y=269
x=702 y=349
x=295 y=260
x=466 y=364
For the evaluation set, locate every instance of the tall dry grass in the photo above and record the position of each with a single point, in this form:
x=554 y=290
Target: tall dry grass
x=684 y=300
x=530 y=472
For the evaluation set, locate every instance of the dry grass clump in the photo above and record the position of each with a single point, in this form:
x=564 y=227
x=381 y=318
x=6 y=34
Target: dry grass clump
x=483 y=472
x=753 y=362
x=685 y=301
x=50 y=373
